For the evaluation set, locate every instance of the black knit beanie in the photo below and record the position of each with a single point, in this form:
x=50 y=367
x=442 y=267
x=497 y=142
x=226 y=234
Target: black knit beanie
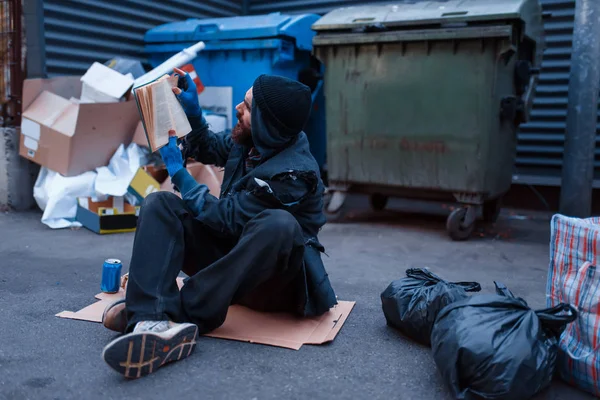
x=283 y=102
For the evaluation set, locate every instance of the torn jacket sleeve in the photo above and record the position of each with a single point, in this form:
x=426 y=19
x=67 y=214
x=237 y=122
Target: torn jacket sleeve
x=230 y=214
x=206 y=146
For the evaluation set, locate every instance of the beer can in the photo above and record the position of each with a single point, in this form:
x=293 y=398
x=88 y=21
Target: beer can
x=111 y=276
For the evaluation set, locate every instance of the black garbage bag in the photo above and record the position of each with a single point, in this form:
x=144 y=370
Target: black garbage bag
x=496 y=347
x=411 y=304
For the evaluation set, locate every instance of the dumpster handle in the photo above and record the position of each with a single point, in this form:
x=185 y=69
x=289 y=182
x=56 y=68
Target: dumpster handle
x=528 y=97
x=207 y=28
x=507 y=53
x=454 y=13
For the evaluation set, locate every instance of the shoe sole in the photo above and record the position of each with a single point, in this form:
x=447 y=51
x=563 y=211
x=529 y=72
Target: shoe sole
x=139 y=354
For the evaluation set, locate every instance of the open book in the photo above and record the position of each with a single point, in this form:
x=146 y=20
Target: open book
x=160 y=111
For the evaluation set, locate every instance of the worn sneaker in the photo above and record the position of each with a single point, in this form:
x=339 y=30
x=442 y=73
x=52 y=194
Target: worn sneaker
x=115 y=316
x=151 y=345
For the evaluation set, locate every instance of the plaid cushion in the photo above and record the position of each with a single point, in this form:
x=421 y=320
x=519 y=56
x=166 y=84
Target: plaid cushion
x=574 y=279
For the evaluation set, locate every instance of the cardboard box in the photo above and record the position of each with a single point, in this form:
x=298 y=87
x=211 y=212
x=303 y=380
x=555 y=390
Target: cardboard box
x=205 y=174
x=101 y=84
x=111 y=216
x=68 y=137
x=139 y=136
x=160 y=174
x=142 y=185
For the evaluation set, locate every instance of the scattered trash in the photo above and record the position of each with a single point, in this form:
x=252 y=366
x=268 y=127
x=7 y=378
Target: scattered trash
x=70 y=136
x=126 y=66
x=110 y=216
x=101 y=84
x=111 y=276
x=114 y=179
x=141 y=185
x=496 y=347
x=57 y=195
x=412 y=304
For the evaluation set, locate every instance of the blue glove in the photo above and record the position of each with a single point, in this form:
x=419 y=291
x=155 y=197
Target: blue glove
x=172 y=157
x=188 y=97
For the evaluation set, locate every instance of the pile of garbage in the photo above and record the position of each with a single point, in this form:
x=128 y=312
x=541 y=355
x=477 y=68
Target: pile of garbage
x=486 y=346
x=87 y=135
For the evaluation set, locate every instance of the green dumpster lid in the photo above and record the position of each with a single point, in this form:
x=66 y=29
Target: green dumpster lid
x=435 y=13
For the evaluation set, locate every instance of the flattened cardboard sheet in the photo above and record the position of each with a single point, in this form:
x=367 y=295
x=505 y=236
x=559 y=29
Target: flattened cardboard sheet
x=280 y=329
x=246 y=325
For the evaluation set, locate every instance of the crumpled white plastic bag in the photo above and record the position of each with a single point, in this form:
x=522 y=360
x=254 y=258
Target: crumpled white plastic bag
x=114 y=179
x=57 y=195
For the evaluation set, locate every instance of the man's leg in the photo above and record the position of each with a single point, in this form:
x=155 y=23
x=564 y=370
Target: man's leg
x=168 y=240
x=152 y=299
x=157 y=259
x=149 y=287
x=270 y=250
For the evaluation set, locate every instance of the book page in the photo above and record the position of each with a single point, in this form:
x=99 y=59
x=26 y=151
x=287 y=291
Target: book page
x=182 y=125
x=168 y=113
x=143 y=100
x=163 y=120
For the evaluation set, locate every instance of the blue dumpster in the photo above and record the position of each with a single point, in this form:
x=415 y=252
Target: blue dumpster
x=239 y=49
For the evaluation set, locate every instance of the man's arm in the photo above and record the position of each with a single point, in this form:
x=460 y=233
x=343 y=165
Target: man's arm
x=230 y=214
x=201 y=144
x=205 y=146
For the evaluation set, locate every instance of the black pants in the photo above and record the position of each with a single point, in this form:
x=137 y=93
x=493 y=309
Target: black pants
x=261 y=269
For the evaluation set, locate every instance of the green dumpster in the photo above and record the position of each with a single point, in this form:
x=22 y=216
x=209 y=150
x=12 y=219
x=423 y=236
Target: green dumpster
x=424 y=100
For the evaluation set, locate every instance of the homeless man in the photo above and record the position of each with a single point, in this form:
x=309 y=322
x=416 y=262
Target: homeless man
x=256 y=245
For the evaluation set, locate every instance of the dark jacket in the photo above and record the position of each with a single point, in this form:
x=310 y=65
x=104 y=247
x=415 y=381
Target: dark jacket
x=287 y=178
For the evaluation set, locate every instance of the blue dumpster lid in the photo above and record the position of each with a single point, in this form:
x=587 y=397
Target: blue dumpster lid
x=237 y=28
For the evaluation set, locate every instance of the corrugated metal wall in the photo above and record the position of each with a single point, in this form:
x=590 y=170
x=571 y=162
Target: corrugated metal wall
x=540 y=149
x=306 y=6
x=79 y=32
x=541 y=142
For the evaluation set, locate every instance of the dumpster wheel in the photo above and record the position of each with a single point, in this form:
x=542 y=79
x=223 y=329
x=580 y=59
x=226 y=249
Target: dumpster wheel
x=491 y=210
x=378 y=201
x=461 y=223
x=335 y=207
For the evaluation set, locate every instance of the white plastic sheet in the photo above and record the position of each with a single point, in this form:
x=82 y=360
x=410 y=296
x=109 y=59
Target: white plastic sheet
x=57 y=195
x=114 y=179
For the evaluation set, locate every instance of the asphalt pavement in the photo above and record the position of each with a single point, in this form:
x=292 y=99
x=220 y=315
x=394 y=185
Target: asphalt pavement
x=43 y=272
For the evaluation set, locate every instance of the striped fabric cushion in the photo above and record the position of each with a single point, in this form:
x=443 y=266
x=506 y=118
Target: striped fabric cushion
x=573 y=279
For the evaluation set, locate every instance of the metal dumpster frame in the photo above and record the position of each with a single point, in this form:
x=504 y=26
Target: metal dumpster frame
x=469 y=157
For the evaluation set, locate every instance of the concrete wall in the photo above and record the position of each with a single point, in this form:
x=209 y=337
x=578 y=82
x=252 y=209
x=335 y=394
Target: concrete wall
x=17 y=175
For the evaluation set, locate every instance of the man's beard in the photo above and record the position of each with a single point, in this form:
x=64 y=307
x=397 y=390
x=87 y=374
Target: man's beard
x=242 y=135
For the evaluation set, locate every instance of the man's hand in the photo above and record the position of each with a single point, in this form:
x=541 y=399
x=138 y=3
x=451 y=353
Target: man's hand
x=171 y=155
x=187 y=94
